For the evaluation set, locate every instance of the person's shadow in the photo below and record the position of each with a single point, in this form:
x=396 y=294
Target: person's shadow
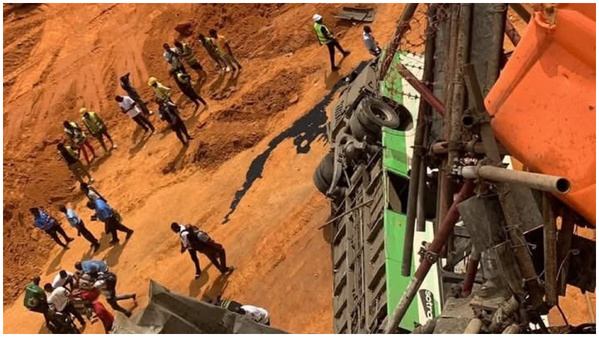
x=172 y=166
x=217 y=82
x=140 y=145
x=217 y=287
x=112 y=257
x=54 y=265
x=232 y=81
x=195 y=286
x=95 y=165
x=332 y=79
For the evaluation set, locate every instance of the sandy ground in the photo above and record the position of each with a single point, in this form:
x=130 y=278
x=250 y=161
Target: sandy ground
x=61 y=57
x=250 y=165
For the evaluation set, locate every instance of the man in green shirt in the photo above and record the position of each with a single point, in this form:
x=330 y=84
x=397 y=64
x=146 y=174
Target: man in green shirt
x=35 y=299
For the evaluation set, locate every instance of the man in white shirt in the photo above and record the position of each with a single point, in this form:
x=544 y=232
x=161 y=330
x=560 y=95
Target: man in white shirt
x=63 y=279
x=129 y=106
x=257 y=314
x=370 y=42
x=59 y=300
x=173 y=59
x=194 y=240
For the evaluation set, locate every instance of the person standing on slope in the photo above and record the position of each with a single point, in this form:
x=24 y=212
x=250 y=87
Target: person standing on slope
x=50 y=225
x=212 y=50
x=185 y=51
x=370 y=42
x=78 y=139
x=35 y=300
x=173 y=59
x=224 y=48
x=184 y=83
x=97 y=128
x=130 y=90
x=129 y=106
x=71 y=158
x=326 y=38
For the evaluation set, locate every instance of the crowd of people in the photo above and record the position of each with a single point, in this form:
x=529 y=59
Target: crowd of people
x=76 y=293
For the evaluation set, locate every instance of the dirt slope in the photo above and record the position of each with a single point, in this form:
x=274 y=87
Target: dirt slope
x=249 y=167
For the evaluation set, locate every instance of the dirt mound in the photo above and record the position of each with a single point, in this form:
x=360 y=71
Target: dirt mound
x=272 y=97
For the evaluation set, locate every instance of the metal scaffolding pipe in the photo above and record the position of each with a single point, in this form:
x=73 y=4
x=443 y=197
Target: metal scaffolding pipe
x=421 y=88
x=473 y=327
x=471 y=272
x=542 y=182
x=416 y=171
x=550 y=249
x=429 y=258
x=402 y=26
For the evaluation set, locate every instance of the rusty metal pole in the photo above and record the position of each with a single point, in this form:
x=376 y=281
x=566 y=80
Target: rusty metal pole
x=429 y=258
x=417 y=154
x=564 y=240
x=456 y=130
x=508 y=203
x=402 y=26
x=550 y=249
x=511 y=32
x=445 y=193
x=497 y=23
x=471 y=272
x=421 y=88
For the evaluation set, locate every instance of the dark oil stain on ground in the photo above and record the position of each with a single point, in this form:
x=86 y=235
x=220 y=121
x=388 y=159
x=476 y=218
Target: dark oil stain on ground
x=304 y=131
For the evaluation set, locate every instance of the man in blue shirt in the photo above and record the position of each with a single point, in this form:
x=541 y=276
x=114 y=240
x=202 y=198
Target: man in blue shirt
x=49 y=225
x=91 y=267
x=111 y=224
x=78 y=224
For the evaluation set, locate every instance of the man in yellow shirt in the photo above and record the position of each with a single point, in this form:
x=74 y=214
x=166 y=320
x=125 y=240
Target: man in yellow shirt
x=225 y=51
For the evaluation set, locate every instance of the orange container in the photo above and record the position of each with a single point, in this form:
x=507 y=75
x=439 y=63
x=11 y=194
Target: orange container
x=543 y=104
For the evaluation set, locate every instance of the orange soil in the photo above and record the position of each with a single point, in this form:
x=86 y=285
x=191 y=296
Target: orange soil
x=60 y=57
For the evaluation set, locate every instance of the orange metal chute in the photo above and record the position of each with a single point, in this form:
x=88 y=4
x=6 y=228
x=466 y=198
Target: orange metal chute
x=544 y=106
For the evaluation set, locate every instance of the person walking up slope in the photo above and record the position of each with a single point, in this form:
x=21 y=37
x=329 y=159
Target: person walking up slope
x=111 y=225
x=79 y=225
x=326 y=38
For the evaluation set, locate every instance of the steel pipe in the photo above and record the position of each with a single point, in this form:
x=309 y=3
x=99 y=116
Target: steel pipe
x=417 y=156
x=473 y=327
x=430 y=257
x=471 y=272
x=424 y=92
x=402 y=26
x=542 y=182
